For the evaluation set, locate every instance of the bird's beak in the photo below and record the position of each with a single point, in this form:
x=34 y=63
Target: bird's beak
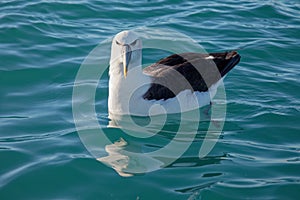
x=126 y=58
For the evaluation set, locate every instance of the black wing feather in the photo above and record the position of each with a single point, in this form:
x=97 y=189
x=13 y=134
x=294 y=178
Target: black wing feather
x=193 y=71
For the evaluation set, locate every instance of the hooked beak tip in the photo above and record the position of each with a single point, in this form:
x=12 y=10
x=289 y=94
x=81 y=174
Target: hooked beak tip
x=125 y=69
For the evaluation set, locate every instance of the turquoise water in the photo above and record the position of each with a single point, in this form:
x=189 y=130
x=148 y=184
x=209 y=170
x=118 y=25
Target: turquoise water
x=43 y=44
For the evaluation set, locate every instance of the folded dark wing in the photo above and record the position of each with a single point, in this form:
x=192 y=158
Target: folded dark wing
x=193 y=71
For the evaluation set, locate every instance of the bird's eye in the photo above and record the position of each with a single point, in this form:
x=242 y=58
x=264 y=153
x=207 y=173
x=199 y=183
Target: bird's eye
x=118 y=42
x=134 y=42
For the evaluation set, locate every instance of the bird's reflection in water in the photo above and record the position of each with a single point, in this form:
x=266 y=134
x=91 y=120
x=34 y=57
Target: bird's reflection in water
x=148 y=144
x=127 y=163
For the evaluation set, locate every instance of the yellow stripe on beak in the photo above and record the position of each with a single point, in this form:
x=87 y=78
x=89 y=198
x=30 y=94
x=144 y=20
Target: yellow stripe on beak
x=126 y=59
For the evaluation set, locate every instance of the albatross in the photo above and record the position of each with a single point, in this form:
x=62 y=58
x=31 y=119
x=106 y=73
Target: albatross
x=175 y=84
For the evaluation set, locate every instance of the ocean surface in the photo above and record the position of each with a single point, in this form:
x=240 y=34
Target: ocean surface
x=42 y=156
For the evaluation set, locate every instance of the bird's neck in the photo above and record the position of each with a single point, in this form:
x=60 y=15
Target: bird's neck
x=124 y=93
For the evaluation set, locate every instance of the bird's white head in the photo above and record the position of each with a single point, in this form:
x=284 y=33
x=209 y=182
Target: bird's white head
x=125 y=52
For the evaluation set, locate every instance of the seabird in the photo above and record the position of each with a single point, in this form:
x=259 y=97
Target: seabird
x=177 y=83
